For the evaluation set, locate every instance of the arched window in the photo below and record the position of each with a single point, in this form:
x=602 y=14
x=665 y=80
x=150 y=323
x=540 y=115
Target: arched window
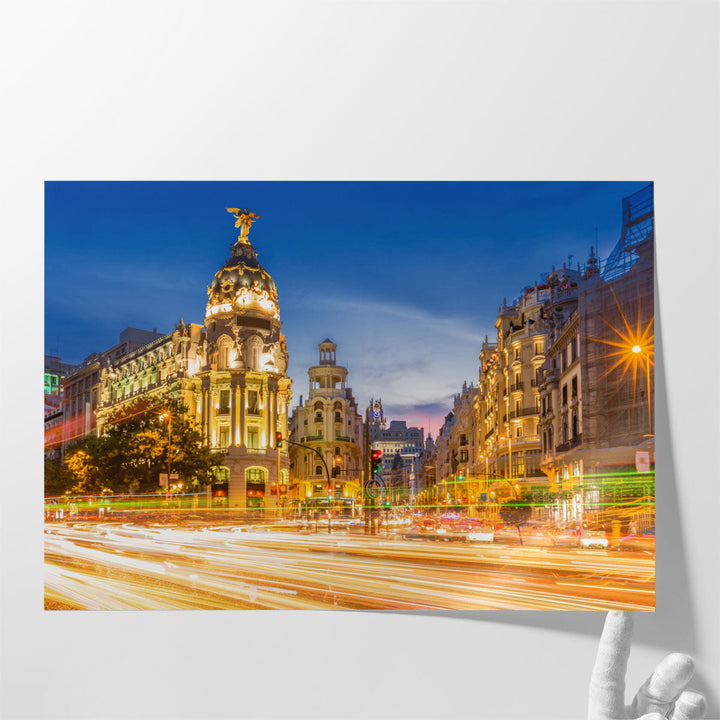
x=255 y=475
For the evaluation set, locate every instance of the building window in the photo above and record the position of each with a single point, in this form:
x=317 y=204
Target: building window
x=539 y=347
x=223 y=436
x=253 y=403
x=564 y=395
x=574 y=387
x=224 y=402
x=516 y=353
x=253 y=441
x=224 y=357
x=518 y=431
x=573 y=349
x=255 y=475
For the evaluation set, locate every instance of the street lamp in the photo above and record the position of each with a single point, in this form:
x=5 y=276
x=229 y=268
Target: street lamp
x=167 y=416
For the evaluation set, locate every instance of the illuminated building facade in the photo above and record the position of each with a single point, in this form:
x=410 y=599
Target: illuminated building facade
x=455 y=455
x=55 y=372
x=597 y=405
x=229 y=374
x=509 y=404
x=598 y=398
x=329 y=424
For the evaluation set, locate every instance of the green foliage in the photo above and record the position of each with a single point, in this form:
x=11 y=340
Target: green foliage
x=58 y=477
x=130 y=456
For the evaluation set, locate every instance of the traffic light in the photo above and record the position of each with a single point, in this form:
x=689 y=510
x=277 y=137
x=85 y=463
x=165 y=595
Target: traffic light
x=375 y=462
x=278 y=439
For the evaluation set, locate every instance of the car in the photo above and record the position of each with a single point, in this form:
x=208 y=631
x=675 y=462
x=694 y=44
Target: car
x=639 y=542
x=566 y=536
x=480 y=532
x=593 y=538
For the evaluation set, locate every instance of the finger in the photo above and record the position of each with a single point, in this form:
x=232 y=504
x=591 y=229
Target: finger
x=607 y=683
x=653 y=716
x=690 y=705
x=663 y=687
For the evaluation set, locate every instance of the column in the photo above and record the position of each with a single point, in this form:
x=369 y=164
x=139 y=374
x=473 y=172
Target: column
x=203 y=413
x=268 y=417
x=211 y=414
x=241 y=424
x=233 y=409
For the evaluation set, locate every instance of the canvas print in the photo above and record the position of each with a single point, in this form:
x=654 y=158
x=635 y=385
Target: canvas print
x=349 y=395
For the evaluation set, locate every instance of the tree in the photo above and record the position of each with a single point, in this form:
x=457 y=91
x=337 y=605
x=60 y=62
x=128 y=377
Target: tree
x=517 y=511
x=130 y=455
x=58 y=477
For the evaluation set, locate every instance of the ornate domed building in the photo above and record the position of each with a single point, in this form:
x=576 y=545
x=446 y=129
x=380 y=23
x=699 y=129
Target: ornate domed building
x=243 y=392
x=230 y=374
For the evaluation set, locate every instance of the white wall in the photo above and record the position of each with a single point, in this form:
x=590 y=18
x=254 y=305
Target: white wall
x=365 y=90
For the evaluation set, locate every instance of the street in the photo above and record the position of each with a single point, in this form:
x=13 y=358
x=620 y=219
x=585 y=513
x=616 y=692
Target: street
x=171 y=561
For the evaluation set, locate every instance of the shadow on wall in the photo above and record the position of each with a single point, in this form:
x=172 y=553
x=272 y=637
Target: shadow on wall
x=672 y=626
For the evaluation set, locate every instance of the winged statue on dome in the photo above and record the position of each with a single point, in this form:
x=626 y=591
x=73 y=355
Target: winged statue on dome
x=243 y=219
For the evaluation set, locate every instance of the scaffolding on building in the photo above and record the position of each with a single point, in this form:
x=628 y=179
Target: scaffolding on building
x=638 y=212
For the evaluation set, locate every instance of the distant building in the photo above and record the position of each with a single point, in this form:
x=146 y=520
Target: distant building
x=393 y=439
x=55 y=372
x=402 y=449
x=329 y=424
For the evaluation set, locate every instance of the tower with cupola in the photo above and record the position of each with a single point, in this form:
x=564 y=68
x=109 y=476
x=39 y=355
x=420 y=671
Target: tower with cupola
x=242 y=388
x=327 y=424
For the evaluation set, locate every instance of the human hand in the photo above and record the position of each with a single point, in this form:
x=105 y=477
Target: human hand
x=663 y=695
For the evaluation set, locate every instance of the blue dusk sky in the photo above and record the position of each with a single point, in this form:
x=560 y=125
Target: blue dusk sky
x=406 y=277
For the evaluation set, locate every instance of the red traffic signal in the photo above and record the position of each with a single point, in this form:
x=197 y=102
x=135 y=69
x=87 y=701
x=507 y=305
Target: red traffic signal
x=375 y=462
x=278 y=439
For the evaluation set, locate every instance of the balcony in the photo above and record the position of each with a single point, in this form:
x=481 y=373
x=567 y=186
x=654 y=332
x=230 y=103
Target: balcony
x=534 y=383
x=344 y=438
x=310 y=438
x=517 y=387
x=524 y=412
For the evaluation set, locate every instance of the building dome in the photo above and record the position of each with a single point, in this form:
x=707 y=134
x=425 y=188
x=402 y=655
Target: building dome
x=242 y=285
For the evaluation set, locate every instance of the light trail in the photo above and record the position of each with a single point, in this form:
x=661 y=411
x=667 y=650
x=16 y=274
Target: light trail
x=122 y=566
